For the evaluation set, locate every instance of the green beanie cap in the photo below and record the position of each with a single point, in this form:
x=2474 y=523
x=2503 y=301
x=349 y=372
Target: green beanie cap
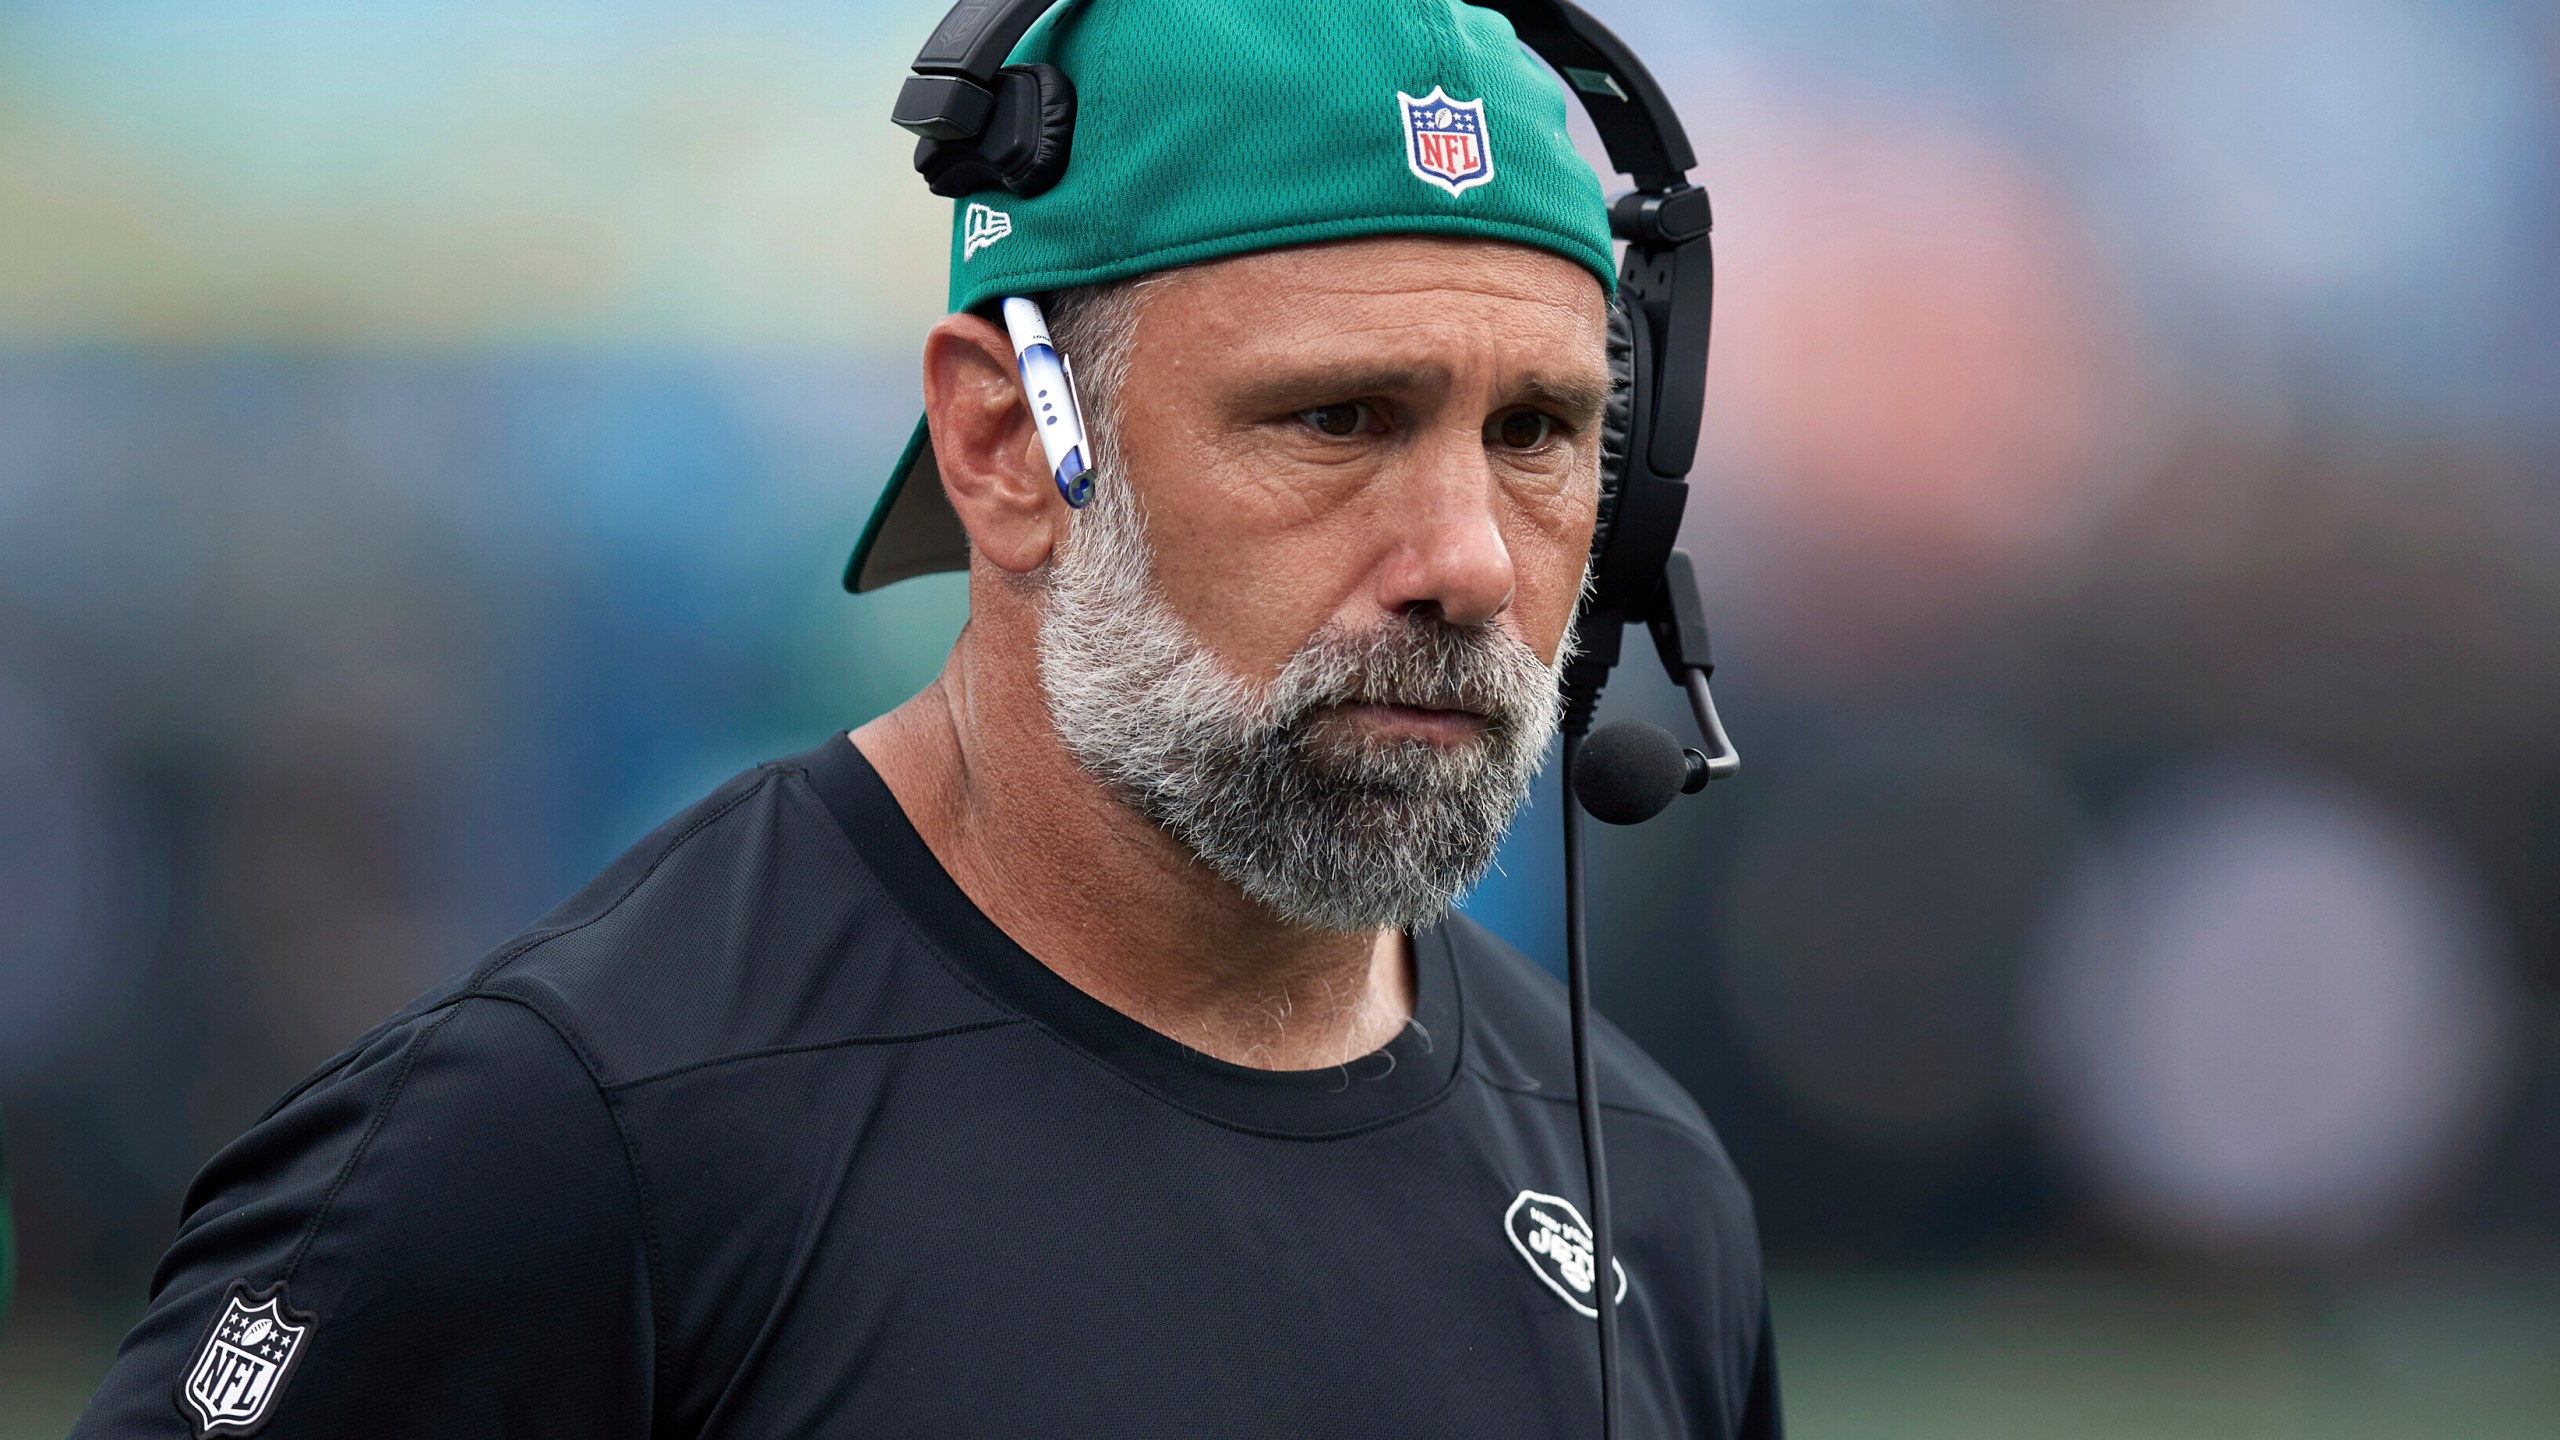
x=1205 y=130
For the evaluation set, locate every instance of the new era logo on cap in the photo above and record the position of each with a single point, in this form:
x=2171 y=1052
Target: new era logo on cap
x=983 y=226
x=1445 y=140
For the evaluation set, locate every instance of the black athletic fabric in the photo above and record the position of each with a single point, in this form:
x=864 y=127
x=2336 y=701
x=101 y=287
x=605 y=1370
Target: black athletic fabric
x=769 y=1132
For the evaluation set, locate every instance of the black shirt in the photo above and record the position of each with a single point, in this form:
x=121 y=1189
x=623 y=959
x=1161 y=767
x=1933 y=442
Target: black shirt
x=770 y=1132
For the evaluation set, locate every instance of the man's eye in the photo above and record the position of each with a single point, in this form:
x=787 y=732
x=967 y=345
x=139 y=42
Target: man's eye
x=1349 y=418
x=1524 y=429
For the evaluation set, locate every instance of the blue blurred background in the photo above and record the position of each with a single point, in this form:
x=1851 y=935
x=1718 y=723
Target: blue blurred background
x=2128 y=971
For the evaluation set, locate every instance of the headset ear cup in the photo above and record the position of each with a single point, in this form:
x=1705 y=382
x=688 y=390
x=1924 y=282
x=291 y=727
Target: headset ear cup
x=1023 y=146
x=1046 y=162
x=1617 y=420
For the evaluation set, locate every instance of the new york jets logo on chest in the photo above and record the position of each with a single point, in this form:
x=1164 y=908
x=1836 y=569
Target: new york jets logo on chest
x=1556 y=1241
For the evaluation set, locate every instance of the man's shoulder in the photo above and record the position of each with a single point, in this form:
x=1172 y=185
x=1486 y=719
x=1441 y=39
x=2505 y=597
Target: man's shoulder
x=1520 y=1039
x=747 y=923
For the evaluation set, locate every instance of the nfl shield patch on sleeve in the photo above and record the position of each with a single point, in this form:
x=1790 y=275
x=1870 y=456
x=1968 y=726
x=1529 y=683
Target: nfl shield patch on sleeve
x=231 y=1386
x=1445 y=140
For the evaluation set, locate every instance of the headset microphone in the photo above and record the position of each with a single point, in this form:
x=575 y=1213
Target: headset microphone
x=1631 y=771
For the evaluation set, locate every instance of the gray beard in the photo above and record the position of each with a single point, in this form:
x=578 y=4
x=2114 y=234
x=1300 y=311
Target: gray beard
x=1322 y=827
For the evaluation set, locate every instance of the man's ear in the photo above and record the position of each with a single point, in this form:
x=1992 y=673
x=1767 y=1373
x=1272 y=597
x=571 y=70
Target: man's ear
x=987 y=447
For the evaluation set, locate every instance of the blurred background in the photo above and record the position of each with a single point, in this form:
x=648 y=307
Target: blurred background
x=2128 y=970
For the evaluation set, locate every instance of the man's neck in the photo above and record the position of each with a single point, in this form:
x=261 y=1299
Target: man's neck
x=1110 y=902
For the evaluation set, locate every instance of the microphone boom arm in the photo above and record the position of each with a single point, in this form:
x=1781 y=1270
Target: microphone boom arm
x=1678 y=620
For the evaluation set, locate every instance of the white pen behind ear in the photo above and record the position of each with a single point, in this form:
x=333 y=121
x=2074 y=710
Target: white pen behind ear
x=1048 y=384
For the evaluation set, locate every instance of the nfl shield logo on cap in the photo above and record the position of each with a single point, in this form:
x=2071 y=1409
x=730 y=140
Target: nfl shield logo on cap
x=1445 y=140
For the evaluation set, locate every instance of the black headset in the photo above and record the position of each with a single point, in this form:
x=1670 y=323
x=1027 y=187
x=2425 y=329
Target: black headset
x=982 y=124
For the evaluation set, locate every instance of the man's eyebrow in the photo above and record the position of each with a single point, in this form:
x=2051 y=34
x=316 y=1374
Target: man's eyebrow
x=1306 y=388
x=1576 y=400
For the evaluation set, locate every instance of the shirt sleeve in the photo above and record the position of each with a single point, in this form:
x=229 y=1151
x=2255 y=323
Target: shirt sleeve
x=8 y=1231
x=1760 y=1417
x=442 y=1236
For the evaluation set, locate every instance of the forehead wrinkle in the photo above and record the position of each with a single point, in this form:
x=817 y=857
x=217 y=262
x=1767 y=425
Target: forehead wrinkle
x=1314 y=277
x=1403 y=352
x=1575 y=396
x=1386 y=264
x=1430 y=312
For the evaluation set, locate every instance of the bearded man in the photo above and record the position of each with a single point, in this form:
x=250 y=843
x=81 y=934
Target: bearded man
x=1085 y=1047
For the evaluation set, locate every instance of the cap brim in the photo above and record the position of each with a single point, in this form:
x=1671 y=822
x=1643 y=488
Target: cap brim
x=913 y=530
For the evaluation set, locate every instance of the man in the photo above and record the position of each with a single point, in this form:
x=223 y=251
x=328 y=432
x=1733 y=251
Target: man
x=1085 y=1047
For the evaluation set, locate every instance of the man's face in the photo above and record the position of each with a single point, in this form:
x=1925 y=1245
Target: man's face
x=1310 y=624
x=1336 y=434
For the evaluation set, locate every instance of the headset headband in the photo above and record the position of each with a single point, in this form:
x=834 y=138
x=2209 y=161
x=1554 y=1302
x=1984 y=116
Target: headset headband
x=953 y=88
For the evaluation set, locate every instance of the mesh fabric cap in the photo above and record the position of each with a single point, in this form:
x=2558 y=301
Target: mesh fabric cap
x=1210 y=130
x=1204 y=131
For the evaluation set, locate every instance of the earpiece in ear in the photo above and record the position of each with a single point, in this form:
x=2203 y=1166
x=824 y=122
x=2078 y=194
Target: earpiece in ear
x=1023 y=145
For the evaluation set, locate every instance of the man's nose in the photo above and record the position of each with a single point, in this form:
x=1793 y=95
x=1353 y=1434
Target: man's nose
x=1450 y=553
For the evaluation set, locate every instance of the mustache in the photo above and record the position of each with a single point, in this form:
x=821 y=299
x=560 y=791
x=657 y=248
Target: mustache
x=1417 y=660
